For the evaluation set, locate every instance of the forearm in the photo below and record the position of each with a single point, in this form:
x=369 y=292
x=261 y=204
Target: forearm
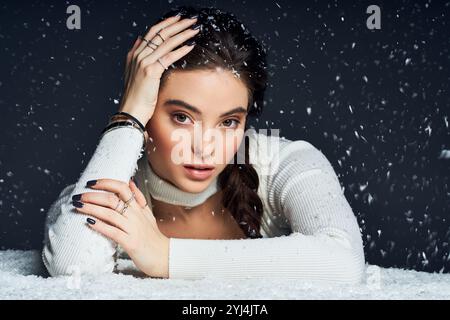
x=329 y=257
x=70 y=245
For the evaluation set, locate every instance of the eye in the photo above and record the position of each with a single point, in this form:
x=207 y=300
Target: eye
x=228 y=124
x=180 y=118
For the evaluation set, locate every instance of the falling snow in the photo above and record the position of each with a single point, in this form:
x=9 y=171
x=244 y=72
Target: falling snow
x=387 y=138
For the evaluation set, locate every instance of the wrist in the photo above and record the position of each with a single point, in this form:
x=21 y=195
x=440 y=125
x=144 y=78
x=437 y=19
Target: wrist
x=143 y=118
x=165 y=260
x=161 y=270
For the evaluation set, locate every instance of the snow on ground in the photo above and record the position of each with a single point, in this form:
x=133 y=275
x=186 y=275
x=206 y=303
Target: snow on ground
x=22 y=276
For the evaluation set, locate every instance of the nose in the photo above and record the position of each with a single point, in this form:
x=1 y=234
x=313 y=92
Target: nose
x=203 y=150
x=202 y=146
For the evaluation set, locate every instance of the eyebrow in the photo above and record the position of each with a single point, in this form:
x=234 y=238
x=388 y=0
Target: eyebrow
x=186 y=105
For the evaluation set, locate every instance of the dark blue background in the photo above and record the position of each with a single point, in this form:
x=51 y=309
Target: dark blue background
x=375 y=102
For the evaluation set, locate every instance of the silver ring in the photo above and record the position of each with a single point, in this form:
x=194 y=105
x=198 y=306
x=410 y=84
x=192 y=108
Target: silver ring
x=160 y=35
x=159 y=60
x=131 y=199
x=149 y=43
x=118 y=202
x=124 y=209
x=125 y=204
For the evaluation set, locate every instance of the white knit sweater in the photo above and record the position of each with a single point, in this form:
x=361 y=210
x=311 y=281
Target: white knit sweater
x=308 y=227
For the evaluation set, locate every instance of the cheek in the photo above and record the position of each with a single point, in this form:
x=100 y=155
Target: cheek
x=160 y=145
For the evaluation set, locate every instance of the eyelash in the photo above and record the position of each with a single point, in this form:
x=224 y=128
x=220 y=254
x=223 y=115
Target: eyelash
x=182 y=123
x=179 y=114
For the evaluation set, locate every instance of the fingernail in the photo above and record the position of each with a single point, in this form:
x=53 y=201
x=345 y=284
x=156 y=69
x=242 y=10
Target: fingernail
x=196 y=26
x=77 y=204
x=90 y=183
x=90 y=221
x=178 y=14
x=193 y=16
x=190 y=42
x=76 y=197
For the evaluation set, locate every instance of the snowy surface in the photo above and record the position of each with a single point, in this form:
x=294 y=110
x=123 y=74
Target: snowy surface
x=21 y=277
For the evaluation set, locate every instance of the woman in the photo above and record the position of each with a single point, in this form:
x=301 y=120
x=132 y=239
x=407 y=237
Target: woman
x=279 y=213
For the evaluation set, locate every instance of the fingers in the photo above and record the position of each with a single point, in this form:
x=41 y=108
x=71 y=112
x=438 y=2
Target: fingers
x=129 y=61
x=120 y=188
x=109 y=231
x=169 y=45
x=104 y=214
x=132 y=50
x=104 y=199
x=172 y=35
x=174 y=29
x=175 y=55
x=140 y=198
x=153 y=30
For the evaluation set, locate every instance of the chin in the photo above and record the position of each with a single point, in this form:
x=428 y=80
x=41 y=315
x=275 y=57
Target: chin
x=193 y=186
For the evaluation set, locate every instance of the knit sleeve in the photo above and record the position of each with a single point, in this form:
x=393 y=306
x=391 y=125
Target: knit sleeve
x=70 y=246
x=325 y=243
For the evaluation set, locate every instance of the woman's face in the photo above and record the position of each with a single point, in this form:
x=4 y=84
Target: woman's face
x=209 y=133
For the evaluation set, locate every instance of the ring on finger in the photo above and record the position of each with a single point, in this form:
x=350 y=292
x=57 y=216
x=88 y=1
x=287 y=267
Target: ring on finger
x=159 y=35
x=124 y=209
x=118 y=203
x=160 y=62
x=150 y=43
x=133 y=195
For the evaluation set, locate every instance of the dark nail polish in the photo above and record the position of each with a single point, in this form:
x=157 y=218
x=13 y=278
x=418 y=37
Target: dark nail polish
x=190 y=42
x=90 y=183
x=196 y=26
x=90 y=221
x=193 y=16
x=77 y=204
x=179 y=13
x=76 y=197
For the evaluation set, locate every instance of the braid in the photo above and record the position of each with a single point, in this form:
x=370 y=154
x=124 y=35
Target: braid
x=240 y=184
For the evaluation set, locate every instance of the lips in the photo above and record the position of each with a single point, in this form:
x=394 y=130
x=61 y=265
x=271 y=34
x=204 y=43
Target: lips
x=199 y=167
x=198 y=172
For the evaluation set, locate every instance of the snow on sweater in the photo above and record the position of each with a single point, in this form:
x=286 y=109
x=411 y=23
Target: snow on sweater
x=309 y=229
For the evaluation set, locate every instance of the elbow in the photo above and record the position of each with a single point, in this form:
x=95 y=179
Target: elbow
x=64 y=265
x=352 y=260
x=71 y=248
x=55 y=267
x=64 y=258
x=59 y=264
x=354 y=270
x=355 y=266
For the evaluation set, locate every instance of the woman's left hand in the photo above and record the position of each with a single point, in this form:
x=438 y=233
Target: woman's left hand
x=136 y=230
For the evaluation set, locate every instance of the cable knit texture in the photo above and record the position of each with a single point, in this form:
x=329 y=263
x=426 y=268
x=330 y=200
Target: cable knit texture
x=309 y=229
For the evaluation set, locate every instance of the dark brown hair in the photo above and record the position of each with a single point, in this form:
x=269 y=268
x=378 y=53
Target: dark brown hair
x=225 y=42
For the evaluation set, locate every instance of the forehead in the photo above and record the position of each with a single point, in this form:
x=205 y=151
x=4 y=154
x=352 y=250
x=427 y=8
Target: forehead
x=206 y=88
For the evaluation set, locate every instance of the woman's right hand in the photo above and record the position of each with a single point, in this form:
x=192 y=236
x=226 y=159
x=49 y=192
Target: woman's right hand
x=143 y=71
